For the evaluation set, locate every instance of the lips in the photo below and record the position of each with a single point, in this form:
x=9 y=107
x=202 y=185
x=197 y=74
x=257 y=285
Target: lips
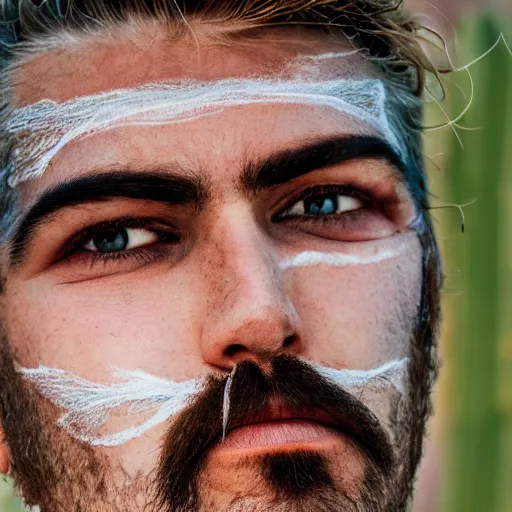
x=276 y=411
x=290 y=403
x=279 y=424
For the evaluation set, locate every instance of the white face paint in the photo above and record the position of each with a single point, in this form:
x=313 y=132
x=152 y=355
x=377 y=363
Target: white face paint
x=88 y=405
x=374 y=252
x=41 y=130
x=33 y=508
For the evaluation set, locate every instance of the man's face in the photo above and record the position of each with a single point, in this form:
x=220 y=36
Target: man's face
x=180 y=271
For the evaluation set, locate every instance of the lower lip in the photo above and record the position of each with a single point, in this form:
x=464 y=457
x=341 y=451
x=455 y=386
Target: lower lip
x=276 y=433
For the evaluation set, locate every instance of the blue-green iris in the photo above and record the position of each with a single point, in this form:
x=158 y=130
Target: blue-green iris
x=112 y=240
x=321 y=205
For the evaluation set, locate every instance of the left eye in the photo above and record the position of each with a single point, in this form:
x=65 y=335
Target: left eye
x=120 y=239
x=322 y=205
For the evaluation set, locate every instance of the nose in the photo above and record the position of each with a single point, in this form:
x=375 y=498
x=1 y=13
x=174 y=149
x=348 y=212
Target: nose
x=252 y=316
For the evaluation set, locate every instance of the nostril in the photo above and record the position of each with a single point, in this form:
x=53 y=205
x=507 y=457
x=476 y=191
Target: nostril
x=289 y=342
x=235 y=350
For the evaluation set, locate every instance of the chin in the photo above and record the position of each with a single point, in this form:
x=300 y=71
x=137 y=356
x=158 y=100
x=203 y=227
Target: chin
x=321 y=475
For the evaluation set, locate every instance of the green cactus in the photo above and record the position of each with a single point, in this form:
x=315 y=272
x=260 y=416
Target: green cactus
x=476 y=447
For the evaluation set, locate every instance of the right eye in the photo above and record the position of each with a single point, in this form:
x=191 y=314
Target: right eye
x=118 y=246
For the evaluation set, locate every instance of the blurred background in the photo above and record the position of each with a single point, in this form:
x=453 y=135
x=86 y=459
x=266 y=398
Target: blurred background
x=468 y=463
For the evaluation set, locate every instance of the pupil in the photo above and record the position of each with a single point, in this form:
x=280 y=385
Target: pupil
x=321 y=205
x=111 y=241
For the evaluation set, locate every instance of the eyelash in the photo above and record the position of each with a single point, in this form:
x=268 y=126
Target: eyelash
x=143 y=254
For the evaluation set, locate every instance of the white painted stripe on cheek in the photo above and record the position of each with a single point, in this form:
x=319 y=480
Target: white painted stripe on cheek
x=88 y=405
x=391 y=374
x=340 y=259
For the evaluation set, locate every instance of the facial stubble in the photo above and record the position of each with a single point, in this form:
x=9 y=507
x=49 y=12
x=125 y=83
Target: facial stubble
x=295 y=479
x=289 y=478
x=41 y=453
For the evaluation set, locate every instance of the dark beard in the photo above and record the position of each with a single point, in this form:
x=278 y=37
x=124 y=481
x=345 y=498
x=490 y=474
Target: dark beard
x=62 y=475
x=49 y=468
x=292 y=477
x=299 y=481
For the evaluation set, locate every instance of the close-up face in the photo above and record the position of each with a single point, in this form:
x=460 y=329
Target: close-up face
x=212 y=303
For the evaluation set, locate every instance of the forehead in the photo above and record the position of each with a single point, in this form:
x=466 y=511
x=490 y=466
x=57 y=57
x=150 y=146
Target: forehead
x=129 y=57
x=83 y=68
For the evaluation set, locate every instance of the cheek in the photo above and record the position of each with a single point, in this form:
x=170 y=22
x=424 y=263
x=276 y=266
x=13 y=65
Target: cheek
x=88 y=328
x=359 y=316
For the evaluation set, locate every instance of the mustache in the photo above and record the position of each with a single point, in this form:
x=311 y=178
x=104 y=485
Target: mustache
x=296 y=384
x=88 y=406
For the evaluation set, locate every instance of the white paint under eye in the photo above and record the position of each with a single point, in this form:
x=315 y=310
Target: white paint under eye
x=374 y=252
x=88 y=406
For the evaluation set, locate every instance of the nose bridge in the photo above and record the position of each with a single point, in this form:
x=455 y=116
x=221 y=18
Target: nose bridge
x=250 y=312
x=247 y=266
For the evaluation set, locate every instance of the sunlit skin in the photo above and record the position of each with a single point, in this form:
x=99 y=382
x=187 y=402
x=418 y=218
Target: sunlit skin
x=213 y=293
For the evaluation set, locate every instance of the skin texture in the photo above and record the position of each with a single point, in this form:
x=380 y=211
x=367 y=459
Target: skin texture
x=217 y=297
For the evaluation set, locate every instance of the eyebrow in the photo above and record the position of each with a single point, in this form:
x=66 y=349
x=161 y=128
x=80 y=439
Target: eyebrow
x=97 y=187
x=193 y=190
x=287 y=165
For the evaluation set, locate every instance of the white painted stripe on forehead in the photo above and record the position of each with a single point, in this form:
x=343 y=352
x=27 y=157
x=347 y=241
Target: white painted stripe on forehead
x=88 y=406
x=41 y=130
